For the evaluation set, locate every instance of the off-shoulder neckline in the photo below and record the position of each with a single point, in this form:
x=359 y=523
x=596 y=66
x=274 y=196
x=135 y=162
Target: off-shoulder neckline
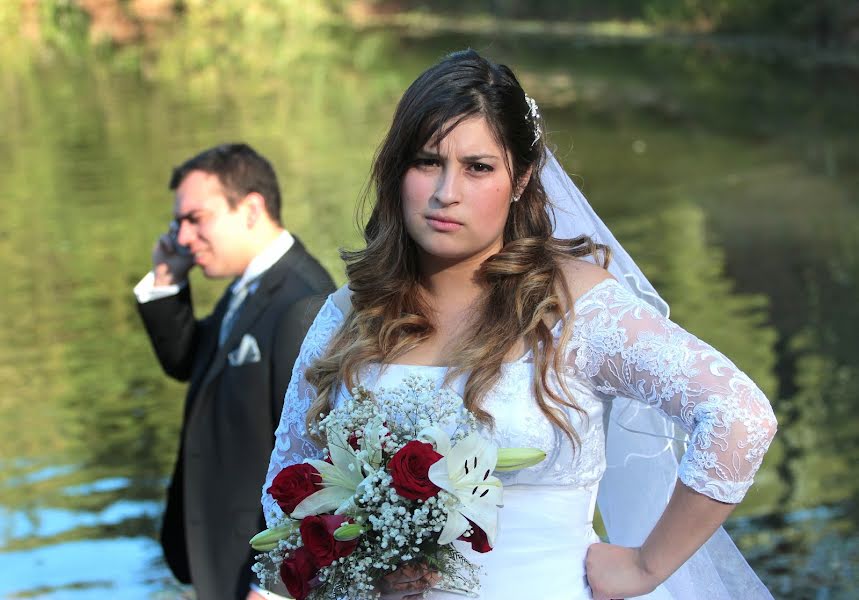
x=522 y=359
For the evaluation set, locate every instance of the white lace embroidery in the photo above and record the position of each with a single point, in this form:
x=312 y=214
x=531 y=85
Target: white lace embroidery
x=637 y=353
x=290 y=442
x=620 y=346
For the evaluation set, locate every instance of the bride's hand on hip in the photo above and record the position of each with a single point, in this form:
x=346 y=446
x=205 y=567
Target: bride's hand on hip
x=617 y=572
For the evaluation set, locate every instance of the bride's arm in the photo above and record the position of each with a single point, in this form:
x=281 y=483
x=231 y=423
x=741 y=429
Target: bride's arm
x=686 y=524
x=627 y=348
x=292 y=445
x=688 y=521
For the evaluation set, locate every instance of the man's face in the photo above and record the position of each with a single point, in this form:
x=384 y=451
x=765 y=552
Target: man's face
x=217 y=235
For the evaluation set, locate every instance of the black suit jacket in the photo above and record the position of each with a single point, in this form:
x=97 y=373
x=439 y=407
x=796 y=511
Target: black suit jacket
x=231 y=412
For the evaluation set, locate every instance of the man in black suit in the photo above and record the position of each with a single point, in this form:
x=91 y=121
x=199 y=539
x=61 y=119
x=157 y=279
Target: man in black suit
x=238 y=360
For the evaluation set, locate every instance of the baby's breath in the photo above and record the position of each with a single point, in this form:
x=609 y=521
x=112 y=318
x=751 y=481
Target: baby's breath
x=396 y=530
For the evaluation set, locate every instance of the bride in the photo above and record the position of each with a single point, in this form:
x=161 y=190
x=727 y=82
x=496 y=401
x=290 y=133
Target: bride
x=486 y=271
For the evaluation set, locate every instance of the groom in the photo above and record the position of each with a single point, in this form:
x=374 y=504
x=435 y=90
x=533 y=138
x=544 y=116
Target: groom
x=238 y=360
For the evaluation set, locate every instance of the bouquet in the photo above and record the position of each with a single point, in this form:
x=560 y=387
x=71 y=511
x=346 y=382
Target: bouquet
x=405 y=474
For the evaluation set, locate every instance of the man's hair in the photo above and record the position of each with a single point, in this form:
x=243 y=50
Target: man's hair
x=240 y=170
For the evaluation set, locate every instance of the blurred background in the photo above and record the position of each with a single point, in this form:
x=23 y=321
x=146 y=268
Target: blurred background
x=717 y=138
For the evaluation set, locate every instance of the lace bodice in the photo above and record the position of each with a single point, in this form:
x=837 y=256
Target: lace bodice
x=621 y=346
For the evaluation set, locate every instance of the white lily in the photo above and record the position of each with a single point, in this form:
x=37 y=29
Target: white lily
x=371 y=442
x=512 y=459
x=340 y=479
x=437 y=437
x=466 y=473
x=348 y=532
x=267 y=539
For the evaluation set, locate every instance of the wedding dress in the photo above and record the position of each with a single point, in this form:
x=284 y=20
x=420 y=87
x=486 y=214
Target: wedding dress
x=621 y=347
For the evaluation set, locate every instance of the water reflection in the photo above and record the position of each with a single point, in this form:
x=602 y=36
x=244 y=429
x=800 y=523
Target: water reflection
x=719 y=174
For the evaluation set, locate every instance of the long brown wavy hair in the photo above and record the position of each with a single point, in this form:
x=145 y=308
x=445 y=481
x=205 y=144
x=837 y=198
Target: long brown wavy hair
x=525 y=290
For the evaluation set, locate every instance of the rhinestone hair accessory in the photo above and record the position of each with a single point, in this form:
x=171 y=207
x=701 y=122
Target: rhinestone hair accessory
x=533 y=117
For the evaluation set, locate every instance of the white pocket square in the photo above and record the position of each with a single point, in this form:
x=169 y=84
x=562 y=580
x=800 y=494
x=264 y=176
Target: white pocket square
x=247 y=352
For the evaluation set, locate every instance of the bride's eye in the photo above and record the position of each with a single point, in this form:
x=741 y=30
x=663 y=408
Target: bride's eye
x=425 y=162
x=481 y=168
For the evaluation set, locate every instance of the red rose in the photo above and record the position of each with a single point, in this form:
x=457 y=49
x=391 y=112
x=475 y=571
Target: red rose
x=409 y=468
x=293 y=484
x=317 y=533
x=297 y=571
x=478 y=539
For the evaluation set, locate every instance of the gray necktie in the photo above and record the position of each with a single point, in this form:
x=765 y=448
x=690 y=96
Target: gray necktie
x=233 y=310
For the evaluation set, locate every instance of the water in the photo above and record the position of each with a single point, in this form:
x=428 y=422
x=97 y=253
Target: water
x=731 y=178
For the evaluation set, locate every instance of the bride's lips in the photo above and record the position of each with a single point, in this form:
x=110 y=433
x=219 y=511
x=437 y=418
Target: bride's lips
x=443 y=224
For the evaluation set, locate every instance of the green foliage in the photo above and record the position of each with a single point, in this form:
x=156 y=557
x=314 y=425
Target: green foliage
x=284 y=27
x=58 y=25
x=824 y=21
x=218 y=42
x=569 y=10
x=735 y=15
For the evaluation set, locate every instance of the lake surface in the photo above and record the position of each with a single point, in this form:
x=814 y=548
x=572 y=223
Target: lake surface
x=730 y=176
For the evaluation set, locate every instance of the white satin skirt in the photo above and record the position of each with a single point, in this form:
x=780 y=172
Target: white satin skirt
x=539 y=554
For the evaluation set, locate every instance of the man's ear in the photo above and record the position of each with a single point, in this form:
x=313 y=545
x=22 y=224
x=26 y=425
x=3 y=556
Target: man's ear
x=254 y=208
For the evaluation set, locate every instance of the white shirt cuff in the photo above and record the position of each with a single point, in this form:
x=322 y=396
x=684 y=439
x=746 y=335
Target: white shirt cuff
x=147 y=291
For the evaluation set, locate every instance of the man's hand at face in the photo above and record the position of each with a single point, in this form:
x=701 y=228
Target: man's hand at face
x=169 y=263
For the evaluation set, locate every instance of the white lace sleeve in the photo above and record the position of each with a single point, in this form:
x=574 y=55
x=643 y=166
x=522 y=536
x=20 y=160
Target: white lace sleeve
x=291 y=445
x=627 y=348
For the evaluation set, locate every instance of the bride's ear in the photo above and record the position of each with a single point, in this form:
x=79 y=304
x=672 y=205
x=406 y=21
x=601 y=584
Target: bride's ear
x=522 y=183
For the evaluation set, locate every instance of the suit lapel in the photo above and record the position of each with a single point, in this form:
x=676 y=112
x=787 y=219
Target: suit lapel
x=207 y=347
x=253 y=306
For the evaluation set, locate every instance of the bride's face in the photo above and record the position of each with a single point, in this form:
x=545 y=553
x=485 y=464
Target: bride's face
x=456 y=195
